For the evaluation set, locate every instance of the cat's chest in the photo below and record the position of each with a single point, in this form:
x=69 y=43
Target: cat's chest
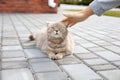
x=56 y=45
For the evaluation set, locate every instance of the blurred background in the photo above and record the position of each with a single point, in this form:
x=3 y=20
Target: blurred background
x=78 y=2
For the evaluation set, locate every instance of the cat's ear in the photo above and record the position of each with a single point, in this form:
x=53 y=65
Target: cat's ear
x=65 y=23
x=47 y=23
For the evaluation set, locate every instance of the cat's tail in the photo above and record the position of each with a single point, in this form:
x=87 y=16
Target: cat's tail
x=31 y=37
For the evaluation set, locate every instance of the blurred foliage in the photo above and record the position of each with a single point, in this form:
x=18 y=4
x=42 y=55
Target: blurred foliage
x=70 y=1
x=114 y=13
x=83 y=2
x=86 y=2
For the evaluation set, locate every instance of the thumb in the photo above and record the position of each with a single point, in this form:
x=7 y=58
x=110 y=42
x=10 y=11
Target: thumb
x=67 y=14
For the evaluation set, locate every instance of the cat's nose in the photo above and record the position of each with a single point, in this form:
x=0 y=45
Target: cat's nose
x=56 y=30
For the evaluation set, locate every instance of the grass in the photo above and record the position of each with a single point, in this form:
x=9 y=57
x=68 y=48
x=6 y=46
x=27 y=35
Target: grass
x=113 y=13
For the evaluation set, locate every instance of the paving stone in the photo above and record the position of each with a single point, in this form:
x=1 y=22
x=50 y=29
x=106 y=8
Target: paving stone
x=12 y=54
x=30 y=44
x=40 y=60
x=68 y=60
x=17 y=74
x=44 y=66
x=87 y=45
x=111 y=74
x=51 y=76
x=79 y=49
x=116 y=43
x=113 y=48
x=103 y=67
x=24 y=40
x=13 y=65
x=34 y=53
x=116 y=63
x=97 y=61
x=93 y=49
x=77 y=38
x=0 y=65
x=78 y=42
x=80 y=72
x=9 y=35
x=86 y=56
x=102 y=43
x=14 y=59
x=9 y=48
x=23 y=35
x=92 y=38
x=10 y=42
x=108 y=55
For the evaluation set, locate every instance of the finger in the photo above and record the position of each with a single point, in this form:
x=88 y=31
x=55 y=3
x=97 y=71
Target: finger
x=64 y=19
x=67 y=14
x=71 y=24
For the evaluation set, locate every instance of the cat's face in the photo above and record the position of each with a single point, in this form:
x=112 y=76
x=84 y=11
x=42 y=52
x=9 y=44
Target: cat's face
x=57 y=30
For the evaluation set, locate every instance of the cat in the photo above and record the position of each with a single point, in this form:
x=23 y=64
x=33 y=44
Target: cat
x=55 y=40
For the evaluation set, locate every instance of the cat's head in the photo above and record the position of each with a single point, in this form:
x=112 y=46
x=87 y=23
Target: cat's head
x=57 y=30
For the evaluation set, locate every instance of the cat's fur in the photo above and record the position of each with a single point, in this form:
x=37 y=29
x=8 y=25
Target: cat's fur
x=54 y=40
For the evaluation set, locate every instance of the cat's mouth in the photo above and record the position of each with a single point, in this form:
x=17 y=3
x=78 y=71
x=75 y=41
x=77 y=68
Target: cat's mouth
x=56 y=33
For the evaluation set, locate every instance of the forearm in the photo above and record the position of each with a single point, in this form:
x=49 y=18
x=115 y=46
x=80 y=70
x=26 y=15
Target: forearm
x=100 y=6
x=87 y=12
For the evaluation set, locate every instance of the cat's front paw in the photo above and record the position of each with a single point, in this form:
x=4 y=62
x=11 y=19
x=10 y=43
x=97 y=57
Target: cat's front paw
x=59 y=56
x=52 y=56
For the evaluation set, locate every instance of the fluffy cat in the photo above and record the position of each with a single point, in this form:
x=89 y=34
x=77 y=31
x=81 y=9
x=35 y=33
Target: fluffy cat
x=54 y=40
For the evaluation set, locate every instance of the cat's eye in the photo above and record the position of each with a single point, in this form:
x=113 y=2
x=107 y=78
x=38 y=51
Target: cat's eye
x=52 y=27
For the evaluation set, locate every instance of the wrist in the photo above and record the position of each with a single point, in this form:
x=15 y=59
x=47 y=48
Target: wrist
x=87 y=12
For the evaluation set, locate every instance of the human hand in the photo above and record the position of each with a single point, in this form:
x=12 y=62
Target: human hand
x=75 y=17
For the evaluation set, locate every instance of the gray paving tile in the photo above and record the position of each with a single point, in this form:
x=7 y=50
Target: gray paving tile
x=9 y=35
x=23 y=35
x=12 y=54
x=14 y=65
x=79 y=49
x=116 y=63
x=34 y=53
x=87 y=45
x=103 y=67
x=10 y=42
x=40 y=60
x=111 y=74
x=14 y=59
x=80 y=72
x=44 y=66
x=97 y=61
x=51 y=76
x=29 y=44
x=17 y=74
x=102 y=43
x=9 y=48
x=86 y=56
x=93 y=49
x=116 y=43
x=68 y=60
x=108 y=55
x=113 y=48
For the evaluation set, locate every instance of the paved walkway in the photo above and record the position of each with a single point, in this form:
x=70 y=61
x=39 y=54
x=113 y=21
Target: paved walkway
x=96 y=55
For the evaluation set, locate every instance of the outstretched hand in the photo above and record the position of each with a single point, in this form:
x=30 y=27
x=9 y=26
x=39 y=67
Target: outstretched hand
x=75 y=17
